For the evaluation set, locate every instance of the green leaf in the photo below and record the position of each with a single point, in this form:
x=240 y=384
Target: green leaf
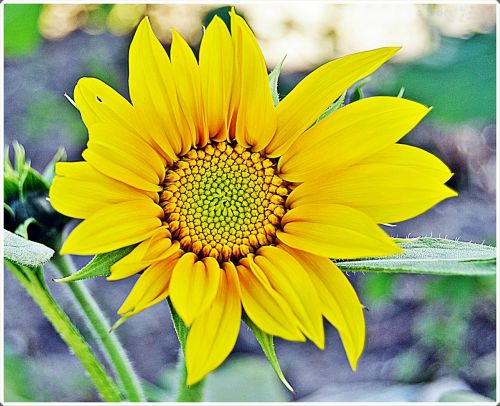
x=10 y=189
x=337 y=104
x=358 y=93
x=21 y=35
x=266 y=342
x=22 y=229
x=19 y=157
x=273 y=81
x=100 y=265
x=9 y=210
x=27 y=179
x=435 y=256
x=34 y=183
x=49 y=171
x=180 y=328
x=25 y=252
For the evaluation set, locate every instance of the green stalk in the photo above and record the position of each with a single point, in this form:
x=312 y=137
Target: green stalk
x=185 y=393
x=99 y=325
x=32 y=280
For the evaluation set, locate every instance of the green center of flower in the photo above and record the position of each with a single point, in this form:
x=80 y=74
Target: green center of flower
x=223 y=201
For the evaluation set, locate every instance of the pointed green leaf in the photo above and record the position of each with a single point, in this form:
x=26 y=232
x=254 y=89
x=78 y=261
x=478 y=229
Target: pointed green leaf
x=19 y=157
x=266 y=342
x=10 y=189
x=34 y=183
x=180 y=328
x=8 y=170
x=273 y=81
x=49 y=171
x=22 y=229
x=100 y=265
x=9 y=210
x=435 y=256
x=337 y=104
x=358 y=93
x=25 y=252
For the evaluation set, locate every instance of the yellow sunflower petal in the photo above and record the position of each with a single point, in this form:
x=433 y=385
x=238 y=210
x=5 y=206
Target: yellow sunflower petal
x=156 y=248
x=256 y=116
x=340 y=303
x=132 y=161
x=153 y=92
x=150 y=288
x=99 y=103
x=386 y=193
x=411 y=157
x=194 y=286
x=216 y=69
x=82 y=197
x=114 y=227
x=290 y=280
x=334 y=231
x=187 y=76
x=266 y=308
x=213 y=334
x=350 y=134
x=119 y=140
x=121 y=167
x=310 y=98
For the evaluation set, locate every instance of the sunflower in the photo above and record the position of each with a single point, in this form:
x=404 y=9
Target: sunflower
x=234 y=204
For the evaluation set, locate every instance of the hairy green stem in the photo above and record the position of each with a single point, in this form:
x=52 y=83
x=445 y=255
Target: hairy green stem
x=100 y=326
x=185 y=393
x=32 y=280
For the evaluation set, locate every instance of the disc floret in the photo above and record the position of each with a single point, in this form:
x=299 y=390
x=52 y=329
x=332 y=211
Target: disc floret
x=223 y=201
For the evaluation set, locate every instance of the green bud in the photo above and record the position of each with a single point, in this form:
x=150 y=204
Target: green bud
x=27 y=209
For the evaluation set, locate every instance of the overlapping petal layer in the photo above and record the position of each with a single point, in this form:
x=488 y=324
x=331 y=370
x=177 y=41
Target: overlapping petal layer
x=213 y=334
x=150 y=288
x=350 y=134
x=154 y=94
x=335 y=231
x=310 y=98
x=339 y=302
x=194 y=285
x=401 y=182
x=115 y=226
x=89 y=189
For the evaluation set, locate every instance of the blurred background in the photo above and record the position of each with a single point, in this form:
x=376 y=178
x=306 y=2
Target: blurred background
x=428 y=338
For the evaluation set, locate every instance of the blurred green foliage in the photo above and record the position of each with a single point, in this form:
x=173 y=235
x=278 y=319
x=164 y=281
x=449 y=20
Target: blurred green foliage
x=97 y=17
x=40 y=118
x=442 y=325
x=15 y=388
x=21 y=35
x=458 y=80
x=241 y=378
x=378 y=288
x=25 y=383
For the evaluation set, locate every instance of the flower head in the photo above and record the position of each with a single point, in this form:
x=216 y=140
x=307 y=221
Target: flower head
x=237 y=204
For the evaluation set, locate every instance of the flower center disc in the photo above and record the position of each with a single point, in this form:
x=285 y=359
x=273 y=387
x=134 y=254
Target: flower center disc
x=223 y=201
